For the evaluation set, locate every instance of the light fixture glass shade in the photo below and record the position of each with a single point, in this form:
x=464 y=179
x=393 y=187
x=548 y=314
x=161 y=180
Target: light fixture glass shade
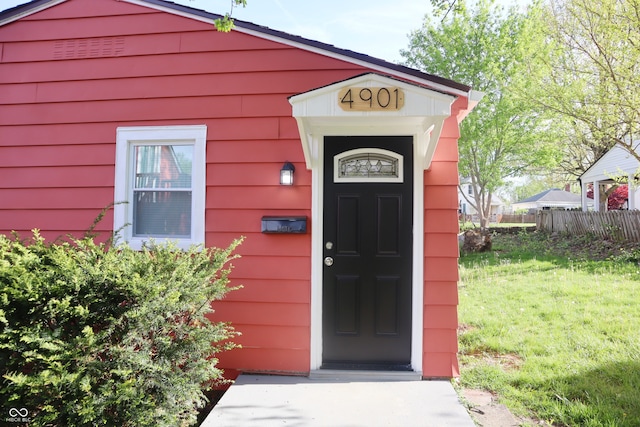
x=286 y=174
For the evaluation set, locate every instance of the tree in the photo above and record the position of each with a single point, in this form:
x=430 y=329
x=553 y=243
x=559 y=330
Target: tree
x=444 y=7
x=486 y=47
x=618 y=198
x=225 y=24
x=614 y=198
x=580 y=148
x=592 y=75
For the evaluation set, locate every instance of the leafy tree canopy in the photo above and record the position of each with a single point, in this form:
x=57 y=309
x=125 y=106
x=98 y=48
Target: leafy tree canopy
x=487 y=46
x=591 y=77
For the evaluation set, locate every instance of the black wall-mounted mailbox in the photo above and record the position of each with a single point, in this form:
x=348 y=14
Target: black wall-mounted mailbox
x=284 y=224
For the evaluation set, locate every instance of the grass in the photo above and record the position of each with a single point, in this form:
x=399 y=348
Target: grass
x=550 y=324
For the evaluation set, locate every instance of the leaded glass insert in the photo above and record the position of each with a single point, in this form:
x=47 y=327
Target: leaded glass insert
x=368 y=165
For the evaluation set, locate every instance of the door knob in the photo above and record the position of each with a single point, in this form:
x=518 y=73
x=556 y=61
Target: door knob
x=328 y=261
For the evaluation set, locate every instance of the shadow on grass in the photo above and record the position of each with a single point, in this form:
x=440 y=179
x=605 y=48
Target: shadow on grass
x=608 y=395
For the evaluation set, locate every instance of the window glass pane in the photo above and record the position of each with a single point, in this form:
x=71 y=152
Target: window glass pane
x=162 y=213
x=368 y=165
x=163 y=166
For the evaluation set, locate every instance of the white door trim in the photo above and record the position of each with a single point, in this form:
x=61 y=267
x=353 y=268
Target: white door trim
x=318 y=115
x=317 y=229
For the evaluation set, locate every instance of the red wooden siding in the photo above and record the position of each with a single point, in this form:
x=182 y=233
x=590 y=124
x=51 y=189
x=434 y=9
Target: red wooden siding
x=116 y=64
x=71 y=74
x=440 y=345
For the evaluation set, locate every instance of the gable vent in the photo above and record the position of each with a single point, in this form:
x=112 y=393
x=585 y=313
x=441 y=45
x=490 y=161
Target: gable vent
x=88 y=48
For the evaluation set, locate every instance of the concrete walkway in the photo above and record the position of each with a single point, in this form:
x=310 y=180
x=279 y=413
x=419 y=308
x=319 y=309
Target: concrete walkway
x=261 y=400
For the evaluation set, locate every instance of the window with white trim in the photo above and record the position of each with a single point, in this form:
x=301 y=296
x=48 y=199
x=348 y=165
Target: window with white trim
x=160 y=177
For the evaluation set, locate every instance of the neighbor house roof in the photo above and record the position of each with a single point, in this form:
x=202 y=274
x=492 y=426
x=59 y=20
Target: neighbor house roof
x=379 y=65
x=614 y=163
x=553 y=197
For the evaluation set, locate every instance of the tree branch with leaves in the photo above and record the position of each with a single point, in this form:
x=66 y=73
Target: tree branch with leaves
x=592 y=75
x=485 y=46
x=225 y=24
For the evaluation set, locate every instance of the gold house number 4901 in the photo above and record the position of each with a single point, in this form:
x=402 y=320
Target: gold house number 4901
x=371 y=98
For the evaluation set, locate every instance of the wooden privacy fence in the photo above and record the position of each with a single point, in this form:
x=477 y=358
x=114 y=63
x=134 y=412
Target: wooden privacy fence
x=518 y=219
x=618 y=225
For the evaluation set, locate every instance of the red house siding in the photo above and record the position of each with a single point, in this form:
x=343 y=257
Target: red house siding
x=73 y=73
x=441 y=255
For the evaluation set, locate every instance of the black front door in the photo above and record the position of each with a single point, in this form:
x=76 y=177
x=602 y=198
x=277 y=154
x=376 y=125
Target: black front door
x=367 y=253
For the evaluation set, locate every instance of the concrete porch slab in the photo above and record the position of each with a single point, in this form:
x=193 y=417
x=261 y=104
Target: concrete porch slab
x=263 y=400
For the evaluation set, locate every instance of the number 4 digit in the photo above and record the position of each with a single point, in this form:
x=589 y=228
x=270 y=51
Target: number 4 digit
x=347 y=99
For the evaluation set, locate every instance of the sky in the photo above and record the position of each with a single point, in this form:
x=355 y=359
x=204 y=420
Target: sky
x=379 y=28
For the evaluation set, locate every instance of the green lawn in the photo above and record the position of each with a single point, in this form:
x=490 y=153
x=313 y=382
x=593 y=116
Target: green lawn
x=554 y=335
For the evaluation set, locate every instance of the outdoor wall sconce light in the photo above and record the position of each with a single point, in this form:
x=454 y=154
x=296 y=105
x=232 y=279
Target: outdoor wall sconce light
x=286 y=174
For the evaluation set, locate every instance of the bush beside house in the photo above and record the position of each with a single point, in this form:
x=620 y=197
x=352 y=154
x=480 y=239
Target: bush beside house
x=103 y=336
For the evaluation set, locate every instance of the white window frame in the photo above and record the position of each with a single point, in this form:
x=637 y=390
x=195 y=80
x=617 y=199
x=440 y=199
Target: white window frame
x=126 y=139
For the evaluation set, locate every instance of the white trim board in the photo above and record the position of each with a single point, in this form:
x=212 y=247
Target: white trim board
x=317 y=230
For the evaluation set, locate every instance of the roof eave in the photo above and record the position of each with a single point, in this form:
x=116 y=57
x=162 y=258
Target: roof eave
x=26 y=9
x=297 y=41
x=376 y=64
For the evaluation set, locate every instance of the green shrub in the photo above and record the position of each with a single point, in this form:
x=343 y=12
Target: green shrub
x=94 y=335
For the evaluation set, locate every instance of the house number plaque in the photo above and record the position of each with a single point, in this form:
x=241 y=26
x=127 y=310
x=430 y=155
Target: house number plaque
x=371 y=98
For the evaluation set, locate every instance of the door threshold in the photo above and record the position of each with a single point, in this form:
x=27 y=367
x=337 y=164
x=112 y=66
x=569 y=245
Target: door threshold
x=361 y=375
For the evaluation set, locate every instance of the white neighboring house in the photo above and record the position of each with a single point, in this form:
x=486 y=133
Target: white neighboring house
x=615 y=165
x=465 y=208
x=554 y=198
